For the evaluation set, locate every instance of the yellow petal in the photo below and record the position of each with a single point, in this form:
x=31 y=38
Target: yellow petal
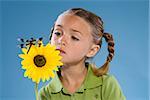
x=24 y=50
x=52 y=74
x=40 y=50
x=26 y=74
x=35 y=76
x=23 y=56
x=32 y=52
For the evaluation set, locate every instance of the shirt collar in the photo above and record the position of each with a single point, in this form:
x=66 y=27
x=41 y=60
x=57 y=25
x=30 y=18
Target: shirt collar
x=91 y=81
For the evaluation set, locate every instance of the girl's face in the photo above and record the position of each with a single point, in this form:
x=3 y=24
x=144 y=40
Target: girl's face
x=72 y=36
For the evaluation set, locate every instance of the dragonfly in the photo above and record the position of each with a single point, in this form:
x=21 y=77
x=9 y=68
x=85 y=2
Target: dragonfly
x=29 y=42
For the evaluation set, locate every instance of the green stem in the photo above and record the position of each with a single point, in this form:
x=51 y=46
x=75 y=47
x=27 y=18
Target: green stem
x=36 y=91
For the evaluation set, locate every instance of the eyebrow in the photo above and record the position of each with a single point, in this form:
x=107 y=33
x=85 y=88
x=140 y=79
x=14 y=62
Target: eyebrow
x=76 y=31
x=71 y=29
x=60 y=26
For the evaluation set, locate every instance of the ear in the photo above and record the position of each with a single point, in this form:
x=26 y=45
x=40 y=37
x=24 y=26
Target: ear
x=93 y=50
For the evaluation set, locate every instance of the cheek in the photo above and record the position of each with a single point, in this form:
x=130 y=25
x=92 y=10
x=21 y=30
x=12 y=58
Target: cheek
x=85 y=48
x=81 y=50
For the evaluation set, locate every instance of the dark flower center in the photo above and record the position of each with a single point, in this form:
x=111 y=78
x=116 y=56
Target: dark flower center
x=39 y=60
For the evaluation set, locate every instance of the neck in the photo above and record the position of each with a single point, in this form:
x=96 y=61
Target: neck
x=73 y=74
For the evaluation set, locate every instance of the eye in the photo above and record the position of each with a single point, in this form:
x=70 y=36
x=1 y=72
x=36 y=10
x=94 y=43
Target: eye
x=57 y=33
x=74 y=38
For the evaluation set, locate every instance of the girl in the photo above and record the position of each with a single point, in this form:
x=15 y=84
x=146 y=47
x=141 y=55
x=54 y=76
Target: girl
x=77 y=34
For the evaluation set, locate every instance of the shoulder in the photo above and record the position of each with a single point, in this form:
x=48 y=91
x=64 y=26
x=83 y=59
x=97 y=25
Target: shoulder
x=109 y=79
x=111 y=88
x=110 y=83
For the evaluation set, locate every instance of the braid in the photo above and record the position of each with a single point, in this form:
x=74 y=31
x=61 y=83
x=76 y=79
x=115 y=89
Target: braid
x=104 y=68
x=109 y=39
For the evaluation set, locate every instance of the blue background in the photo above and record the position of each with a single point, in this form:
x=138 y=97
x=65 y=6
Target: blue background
x=126 y=20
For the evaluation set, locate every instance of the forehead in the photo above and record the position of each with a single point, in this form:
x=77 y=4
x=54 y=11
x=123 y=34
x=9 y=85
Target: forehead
x=69 y=21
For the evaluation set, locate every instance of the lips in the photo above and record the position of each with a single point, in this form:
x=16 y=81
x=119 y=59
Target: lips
x=61 y=51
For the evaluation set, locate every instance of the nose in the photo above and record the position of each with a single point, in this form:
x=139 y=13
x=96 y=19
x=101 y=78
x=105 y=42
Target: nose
x=62 y=40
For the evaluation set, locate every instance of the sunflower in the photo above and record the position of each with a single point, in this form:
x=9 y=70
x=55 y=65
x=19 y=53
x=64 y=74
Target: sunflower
x=40 y=62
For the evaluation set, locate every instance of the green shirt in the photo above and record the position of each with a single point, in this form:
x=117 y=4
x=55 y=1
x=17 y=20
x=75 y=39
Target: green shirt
x=104 y=87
